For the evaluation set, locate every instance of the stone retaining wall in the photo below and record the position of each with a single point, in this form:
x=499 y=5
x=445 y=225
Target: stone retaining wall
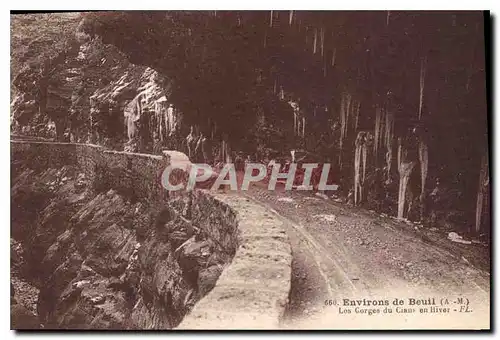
x=252 y=292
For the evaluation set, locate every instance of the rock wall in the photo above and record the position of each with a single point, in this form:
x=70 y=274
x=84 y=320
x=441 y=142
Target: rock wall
x=252 y=292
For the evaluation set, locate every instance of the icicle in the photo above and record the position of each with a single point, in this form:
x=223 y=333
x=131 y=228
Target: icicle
x=294 y=123
x=223 y=151
x=423 y=156
x=405 y=170
x=172 y=120
x=224 y=159
x=189 y=142
x=303 y=126
x=322 y=36
x=357 y=161
x=159 y=119
x=404 y=177
x=271 y=20
x=378 y=127
x=342 y=120
x=333 y=56
x=356 y=107
x=347 y=113
x=315 y=40
x=423 y=66
x=300 y=126
x=291 y=18
x=229 y=159
x=387 y=20
x=378 y=114
x=167 y=122
x=388 y=161
x=389 y=128
x=399 y=153
x=364 y=155
x=482 y=190
x=345 y=105
x=360 y=156
x=215 y=14
x=275 y=85
x=381 y=129
x=381 y=132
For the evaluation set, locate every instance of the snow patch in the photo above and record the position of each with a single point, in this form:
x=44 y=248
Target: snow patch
x=326 y=217
x=311 y=198
x=323 y=196
x=285 y=199
x=453 y=236
x=81 y=283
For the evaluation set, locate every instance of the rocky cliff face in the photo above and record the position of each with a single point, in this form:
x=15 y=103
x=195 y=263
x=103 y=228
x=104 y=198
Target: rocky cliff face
x=104 y=260
x=87 y=91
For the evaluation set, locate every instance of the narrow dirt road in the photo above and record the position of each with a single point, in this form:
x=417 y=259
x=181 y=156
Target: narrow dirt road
x=342 y=252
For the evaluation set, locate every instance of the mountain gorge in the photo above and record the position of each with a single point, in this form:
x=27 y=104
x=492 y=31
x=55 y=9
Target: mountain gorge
x=396 y=101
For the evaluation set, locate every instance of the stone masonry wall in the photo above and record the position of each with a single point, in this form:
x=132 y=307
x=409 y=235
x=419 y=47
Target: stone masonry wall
x=252 y=292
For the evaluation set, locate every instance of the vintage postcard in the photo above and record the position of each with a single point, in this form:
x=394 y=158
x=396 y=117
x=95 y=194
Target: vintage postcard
x=242 y=170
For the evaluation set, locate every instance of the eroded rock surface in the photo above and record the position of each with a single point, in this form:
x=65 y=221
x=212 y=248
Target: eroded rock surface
x=104 y=260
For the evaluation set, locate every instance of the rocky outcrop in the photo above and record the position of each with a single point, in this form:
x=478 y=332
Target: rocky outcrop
x=107 y=258
x=70 y=86
x=117 y=264
x=21 y=317
x=23 y=296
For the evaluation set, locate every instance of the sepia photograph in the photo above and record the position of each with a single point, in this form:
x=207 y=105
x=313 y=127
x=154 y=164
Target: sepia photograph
x=250 y=170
